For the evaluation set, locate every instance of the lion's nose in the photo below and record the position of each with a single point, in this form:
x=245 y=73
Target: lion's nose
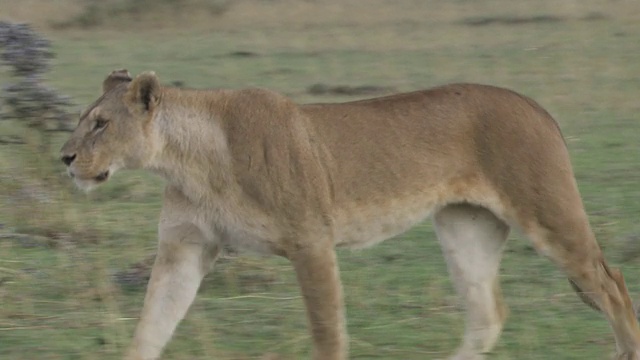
x=68 y=159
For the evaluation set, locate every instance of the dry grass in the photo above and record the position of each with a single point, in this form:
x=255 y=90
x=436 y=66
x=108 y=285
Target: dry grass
x=64 y=302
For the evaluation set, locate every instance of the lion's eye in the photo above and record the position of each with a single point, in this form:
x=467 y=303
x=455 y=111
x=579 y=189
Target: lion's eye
x=100 y=124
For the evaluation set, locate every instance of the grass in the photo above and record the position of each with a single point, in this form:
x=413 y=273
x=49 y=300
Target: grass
x=58 y=299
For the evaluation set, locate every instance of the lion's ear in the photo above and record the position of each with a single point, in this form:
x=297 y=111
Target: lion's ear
x=116 y=78
x=144 y=90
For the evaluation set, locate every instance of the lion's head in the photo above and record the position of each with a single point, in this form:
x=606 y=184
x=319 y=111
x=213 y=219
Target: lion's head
x=115 y=131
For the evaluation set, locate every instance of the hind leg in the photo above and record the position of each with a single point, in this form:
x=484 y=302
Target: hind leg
x=568 y=240
x=472 y=239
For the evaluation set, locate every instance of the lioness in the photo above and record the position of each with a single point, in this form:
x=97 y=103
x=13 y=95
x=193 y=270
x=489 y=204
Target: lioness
x=249 y=169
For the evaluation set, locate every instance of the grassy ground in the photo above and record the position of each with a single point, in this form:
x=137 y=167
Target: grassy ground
x=58 y=297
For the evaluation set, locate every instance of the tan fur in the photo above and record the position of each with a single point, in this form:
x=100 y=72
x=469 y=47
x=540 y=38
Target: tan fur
x=249 y=169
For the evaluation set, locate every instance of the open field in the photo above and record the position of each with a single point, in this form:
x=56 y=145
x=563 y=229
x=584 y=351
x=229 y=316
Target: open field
x=60 y=297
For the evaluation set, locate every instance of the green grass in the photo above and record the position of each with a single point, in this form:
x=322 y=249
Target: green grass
x=58 y=299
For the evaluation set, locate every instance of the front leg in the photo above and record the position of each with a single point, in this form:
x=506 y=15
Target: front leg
x=184 y=257
x=317 y=272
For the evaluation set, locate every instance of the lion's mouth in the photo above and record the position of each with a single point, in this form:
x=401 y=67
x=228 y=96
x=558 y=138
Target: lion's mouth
x=88 y=183
x=102 y=176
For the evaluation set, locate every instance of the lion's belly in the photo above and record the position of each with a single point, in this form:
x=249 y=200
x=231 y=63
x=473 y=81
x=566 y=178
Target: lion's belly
x=240 y=231
x=360 y=227
x=355 y=225
x=241 y=241
x=252 y=234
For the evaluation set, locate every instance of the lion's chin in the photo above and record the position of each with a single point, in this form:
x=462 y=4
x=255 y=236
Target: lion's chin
x=85 y=185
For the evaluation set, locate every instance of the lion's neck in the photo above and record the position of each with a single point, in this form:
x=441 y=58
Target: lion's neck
x=193 y=154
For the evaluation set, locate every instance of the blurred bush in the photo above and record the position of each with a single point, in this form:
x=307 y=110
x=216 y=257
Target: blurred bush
x=26 y=99
x=30 y=112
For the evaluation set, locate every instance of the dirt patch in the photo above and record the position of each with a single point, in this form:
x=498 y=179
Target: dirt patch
x=324 y=89
x=243 y=54
x=594 y=16
x=526 y=20
x=512 y=20
x=88 y=14
x=137 y=275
